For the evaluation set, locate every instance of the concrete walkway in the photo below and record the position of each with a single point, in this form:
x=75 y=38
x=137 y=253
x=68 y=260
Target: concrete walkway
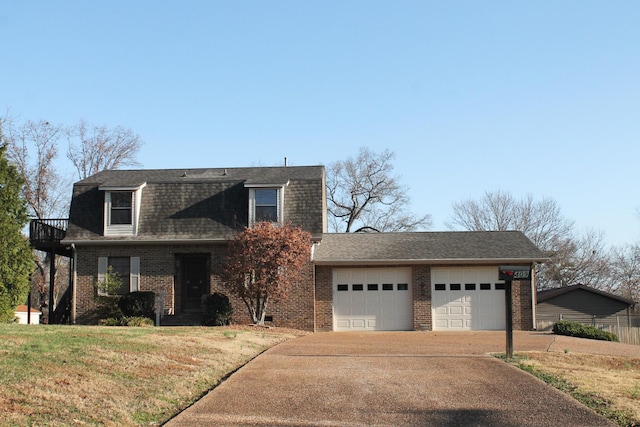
x=394 y=379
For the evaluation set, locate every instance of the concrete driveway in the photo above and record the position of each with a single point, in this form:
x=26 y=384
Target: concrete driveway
x=394 y=379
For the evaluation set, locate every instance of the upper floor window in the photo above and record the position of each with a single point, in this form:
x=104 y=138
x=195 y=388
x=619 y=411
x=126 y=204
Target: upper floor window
x=120 y=207
x=265 y=204
x=121 y=210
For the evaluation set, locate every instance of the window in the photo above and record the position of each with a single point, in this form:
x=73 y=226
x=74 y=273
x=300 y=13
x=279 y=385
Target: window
x=485 y=286
x=372 y=286
x=454 y=286
x=121 y=268
x=440 y=287
x=120 y=207
x=126 y=269
x=469 y=286
x=500 y=286
x=387 y=286
x=357 y=287
x=403 y=286
x=265 y=204
x=121 y=210
x=342 y=288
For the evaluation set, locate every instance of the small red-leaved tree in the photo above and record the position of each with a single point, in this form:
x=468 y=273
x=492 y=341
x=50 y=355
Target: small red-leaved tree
x=263 y=264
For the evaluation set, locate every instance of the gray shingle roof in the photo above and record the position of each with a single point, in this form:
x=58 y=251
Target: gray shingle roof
x=259 y=175
x=194 y=204
x=428 y=247
x=554 y=292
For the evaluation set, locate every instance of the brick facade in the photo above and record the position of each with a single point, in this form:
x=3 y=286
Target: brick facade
x=308 y=307
x=158 y=273
x=421 y=277
x=324 y=298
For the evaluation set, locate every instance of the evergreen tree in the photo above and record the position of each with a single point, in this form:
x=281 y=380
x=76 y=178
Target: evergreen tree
x=16 y=258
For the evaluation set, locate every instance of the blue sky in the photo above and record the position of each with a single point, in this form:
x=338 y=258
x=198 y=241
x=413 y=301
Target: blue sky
x=529 y=97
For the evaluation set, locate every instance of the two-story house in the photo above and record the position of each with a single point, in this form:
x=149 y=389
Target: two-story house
x=167 y=231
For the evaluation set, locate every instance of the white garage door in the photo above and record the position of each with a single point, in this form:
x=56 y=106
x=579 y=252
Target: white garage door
x=376 y=299
x=467 y=298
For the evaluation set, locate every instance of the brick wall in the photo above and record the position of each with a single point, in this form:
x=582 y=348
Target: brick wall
x=421 y=277
x=309 y=306
x=324 y=298
x=522 y=302
x=158 y=272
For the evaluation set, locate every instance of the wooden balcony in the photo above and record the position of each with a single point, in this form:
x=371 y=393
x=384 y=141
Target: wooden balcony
x=47 y=234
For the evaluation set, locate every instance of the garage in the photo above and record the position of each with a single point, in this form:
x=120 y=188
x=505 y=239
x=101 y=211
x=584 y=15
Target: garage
x=467 y=298
x=372 y=299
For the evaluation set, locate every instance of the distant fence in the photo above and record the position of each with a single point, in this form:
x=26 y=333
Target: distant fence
x=618 y=325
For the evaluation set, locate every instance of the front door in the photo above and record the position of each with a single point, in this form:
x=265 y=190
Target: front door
x=194 y=275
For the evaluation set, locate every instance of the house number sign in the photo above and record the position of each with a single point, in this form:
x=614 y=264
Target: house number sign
x=514 y=272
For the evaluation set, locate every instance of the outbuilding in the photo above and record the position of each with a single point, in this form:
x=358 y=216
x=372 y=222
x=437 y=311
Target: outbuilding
x=22 y=314
x=583 y=304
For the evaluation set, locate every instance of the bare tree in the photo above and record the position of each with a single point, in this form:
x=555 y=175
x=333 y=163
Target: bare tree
x=578 y=259
x=625 y=274
x=364 y=195
x=541 y=221
x=572 y=258
x=33 y=148
x=96 y=148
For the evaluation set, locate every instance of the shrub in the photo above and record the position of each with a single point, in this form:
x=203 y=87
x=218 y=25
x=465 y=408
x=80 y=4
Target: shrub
x=137 y=304
x=217 y=310
x=127 y=321
x=107 y=307
x=575 y=329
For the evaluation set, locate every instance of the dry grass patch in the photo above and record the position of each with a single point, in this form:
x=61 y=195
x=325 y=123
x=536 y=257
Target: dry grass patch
x=85 y=375
x=612 y=378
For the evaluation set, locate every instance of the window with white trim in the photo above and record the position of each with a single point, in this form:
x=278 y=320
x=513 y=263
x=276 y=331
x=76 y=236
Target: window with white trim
x=120 y=205
x=126 y=269
x=265 y=204
x=121 y=210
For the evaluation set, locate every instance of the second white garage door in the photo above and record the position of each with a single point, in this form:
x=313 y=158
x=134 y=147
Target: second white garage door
x=375 y=299
x=467 y=298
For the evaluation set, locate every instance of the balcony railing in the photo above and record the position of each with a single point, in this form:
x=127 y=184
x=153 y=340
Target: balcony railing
x=47 y=231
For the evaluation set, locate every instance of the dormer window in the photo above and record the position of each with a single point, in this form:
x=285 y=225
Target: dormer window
x=121 y=210
x=120 y=207
x=266 y=203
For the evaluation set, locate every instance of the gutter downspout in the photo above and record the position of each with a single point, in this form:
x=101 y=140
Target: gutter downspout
x=74 y=275
x=534 y=297
x=313 y=278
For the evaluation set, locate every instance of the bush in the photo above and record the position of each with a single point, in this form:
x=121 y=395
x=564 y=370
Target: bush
x=575 y=329
x=138 y=304
x=127 y=321
x=217 y=310
x=107 y=307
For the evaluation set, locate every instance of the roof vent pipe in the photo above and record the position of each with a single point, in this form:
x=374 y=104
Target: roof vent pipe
x=285 y=162
x=224 y=172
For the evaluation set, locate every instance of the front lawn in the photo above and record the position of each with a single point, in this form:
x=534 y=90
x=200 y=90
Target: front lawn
x=96 y=375
x=610 y=385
